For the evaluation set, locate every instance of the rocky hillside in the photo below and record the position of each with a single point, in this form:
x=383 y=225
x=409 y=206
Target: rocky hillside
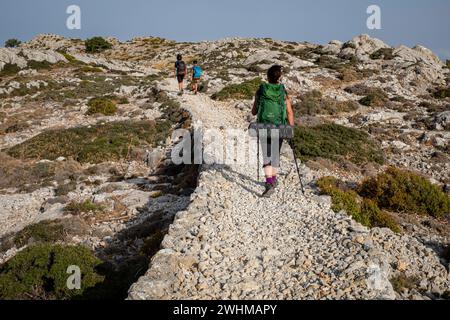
x=85 y=142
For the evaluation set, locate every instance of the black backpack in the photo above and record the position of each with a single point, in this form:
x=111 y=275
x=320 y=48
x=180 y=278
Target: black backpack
x=181 y=68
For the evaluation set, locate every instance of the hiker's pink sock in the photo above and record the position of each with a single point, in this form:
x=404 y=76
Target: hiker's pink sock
x=274 y=179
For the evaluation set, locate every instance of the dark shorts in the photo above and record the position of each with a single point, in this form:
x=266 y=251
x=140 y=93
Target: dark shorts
x=271 y=152
x=195 y=80
x=180 y=78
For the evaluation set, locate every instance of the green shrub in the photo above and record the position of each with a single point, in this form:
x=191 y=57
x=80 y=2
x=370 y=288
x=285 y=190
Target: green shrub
x=376 y=97
x=42 y=232
x=349 y=75
x=361 y=210
x=404 y=191
x=90 y=69
x=122 y=100
x=39 y=65
x=12 y=43
x=447 y=63
x=336 y=142
x=383 y=53
x=97 y=44
x=377 y=217
x=401 y=282
x=76 y=208
x=313 y=103
x=101 y=106
x=442 y=93
x=103 y=142
x=245 y=90
x=40 y=273
x=71 y=59
x=349 y=45
x=342 y=199
x=9 y=69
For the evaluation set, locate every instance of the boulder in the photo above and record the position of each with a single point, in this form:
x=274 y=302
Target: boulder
x=363 y=46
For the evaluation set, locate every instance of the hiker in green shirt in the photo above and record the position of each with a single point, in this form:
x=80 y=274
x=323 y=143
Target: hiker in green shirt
x=272 y=106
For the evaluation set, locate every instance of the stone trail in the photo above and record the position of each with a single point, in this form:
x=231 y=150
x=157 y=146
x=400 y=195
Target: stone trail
x=232 y=244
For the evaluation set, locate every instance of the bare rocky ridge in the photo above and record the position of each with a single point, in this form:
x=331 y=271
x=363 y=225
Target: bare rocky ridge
x=226 y=242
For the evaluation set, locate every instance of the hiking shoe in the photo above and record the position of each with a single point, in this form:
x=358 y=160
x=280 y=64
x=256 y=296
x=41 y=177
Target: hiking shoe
x=270 y=189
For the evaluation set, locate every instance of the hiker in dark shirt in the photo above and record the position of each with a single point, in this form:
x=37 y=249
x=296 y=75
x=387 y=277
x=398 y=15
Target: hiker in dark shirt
x=272 y=106
x=180 y=72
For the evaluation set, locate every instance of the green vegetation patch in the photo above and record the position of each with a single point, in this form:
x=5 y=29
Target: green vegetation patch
x=442 y=93
x=99 y=143
x=29 y=176
x=9 y=69
x=404 y=191
x=336 y=142
x=97 y=44
x=401 y=282
x=90 y=69
x=375 y=97
x=76 y=208
x=314 y=103
x=40 y=273
x=12 y=43
x=39 y=65
x=42 y=232
x=101 y=106
x=383 y=53
x=361 y=210
x=243 y=91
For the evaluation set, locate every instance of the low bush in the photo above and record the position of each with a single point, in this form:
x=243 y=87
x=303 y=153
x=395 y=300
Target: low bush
x=40 y=273
x=90 y=69
x=42 y=232
x=350 y=45
x=442 y=93
x=383 y=53
x=361 y=210
x=336 y=142
x=313 y=103
x=401 y=282
x=101 y=106
x=349 y=75
x=27 y=176
x=358 y=89
x=39 y=65
x=245 y=90
x=9 y=70
x=95 y=144
x=12 y=43
x=97 y=44
x=376 y=97
x=76 y=208
x=404 y=191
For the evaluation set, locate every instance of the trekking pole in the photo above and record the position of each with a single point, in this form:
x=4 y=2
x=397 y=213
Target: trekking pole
x=257 y=134
x=296 y=165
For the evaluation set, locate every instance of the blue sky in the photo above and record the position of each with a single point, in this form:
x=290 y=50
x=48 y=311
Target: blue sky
x=409 y=22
